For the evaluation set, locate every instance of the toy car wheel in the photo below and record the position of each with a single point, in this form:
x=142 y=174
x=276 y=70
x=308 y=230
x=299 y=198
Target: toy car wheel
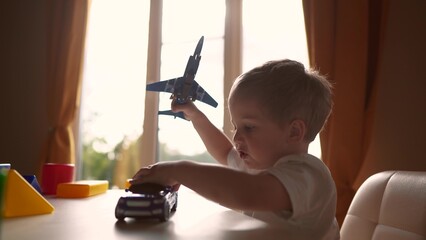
x=174 y=206
x=166 y=212
x=118 y=215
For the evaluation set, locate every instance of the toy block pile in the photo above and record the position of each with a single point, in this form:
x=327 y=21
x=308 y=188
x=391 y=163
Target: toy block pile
x=22 y=195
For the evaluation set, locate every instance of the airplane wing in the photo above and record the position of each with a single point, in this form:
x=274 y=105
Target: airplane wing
x=201 y=95
x=163 y=86
x=170 y=86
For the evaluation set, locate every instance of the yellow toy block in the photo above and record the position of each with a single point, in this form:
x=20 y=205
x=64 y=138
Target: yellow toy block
x=21 y=199
x=81 y=189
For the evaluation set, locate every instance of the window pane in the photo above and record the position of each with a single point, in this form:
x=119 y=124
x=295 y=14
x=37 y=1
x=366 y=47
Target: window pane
x=113 y=82
x=187 y=20
x=273 y=29
x=184 y=22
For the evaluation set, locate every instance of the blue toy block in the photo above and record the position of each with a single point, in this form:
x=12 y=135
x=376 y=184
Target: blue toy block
x=5 y=166
x=32 y=180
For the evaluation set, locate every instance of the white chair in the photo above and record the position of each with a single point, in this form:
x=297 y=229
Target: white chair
x=389 y=205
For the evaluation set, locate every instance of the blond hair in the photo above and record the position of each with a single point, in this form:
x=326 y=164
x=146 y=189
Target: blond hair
x=287 y=91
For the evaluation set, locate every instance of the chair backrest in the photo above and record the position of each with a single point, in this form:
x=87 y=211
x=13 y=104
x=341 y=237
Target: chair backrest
x=388 y=205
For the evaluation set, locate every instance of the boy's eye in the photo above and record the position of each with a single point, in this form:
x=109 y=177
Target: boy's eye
x=244 y=128
x=248 y=128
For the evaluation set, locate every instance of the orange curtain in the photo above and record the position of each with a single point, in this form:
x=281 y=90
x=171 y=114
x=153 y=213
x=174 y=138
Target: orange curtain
x=344 y=42
x=66 y=30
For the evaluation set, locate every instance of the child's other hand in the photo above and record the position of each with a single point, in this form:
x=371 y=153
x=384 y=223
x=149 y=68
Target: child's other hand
x=189 y=109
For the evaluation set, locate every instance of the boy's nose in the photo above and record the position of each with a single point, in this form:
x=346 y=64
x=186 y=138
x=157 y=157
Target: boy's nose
x=236 y=138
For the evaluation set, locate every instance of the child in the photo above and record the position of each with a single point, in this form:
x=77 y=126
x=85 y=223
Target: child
x=276 y=109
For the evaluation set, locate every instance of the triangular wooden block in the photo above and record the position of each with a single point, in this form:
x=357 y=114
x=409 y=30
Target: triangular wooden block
x=21 y=199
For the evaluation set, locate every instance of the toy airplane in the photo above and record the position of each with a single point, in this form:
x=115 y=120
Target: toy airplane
x=184 y=88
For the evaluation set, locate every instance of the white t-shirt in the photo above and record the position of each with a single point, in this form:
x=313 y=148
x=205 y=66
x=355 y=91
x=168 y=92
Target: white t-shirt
x=312 y=193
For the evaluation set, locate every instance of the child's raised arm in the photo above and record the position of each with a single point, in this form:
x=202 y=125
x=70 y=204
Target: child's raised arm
x=217 y=144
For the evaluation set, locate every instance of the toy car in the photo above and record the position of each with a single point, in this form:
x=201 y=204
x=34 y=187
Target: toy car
x=147 y=200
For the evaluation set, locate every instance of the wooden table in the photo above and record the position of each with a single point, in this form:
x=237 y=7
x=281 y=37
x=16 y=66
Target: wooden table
x=93 y=218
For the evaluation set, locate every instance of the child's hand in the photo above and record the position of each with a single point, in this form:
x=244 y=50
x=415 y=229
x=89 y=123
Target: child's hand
x=160 y=173
x=189 y=109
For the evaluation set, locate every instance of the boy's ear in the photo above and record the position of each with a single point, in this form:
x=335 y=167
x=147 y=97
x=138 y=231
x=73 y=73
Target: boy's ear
x=297 y=130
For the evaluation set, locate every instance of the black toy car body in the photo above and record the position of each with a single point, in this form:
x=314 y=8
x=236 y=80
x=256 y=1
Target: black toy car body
x=148 y=201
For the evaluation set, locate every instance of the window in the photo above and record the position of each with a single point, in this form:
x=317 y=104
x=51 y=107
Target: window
x=184 y=22
x=115 y=73
x=113 y=83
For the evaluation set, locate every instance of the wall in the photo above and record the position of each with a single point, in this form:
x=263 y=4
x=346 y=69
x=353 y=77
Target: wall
x=22 y=76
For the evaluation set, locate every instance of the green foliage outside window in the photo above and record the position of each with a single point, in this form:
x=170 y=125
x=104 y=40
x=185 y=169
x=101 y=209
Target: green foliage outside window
x=123 y=161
